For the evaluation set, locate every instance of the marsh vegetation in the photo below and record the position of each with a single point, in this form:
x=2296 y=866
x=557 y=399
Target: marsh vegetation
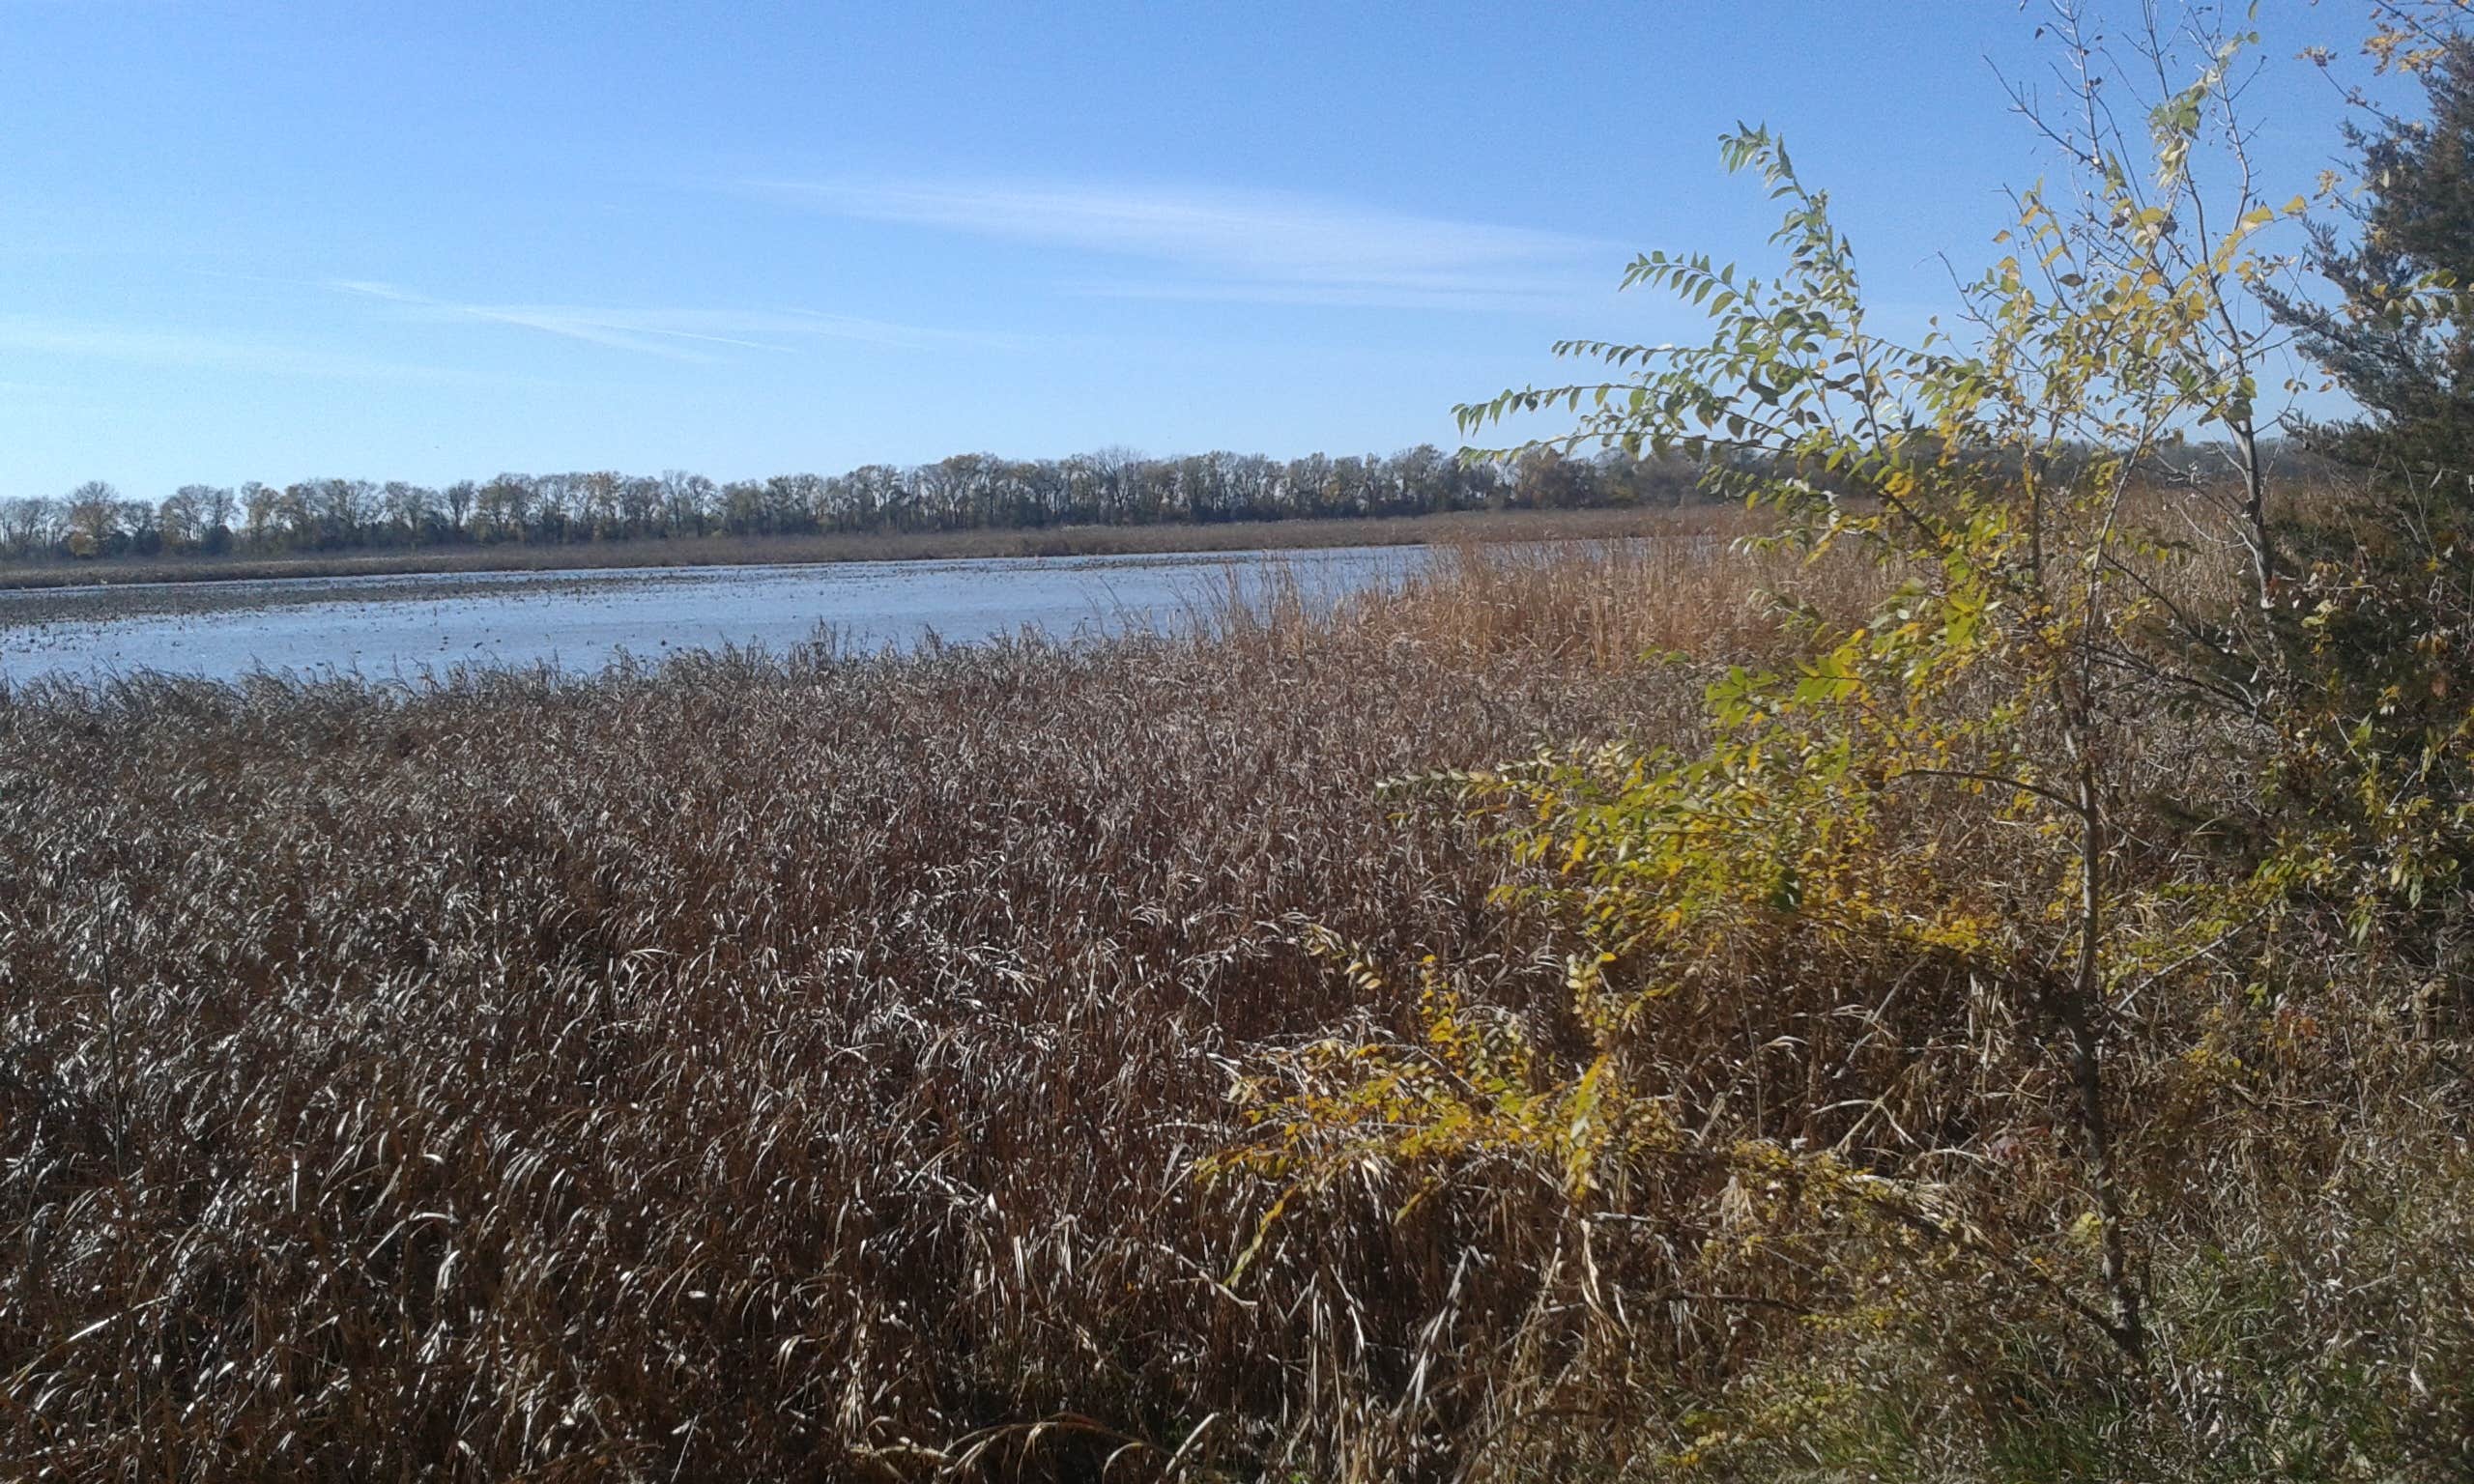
x=760 y=1065
x=1961 y=971
x=817 y=1065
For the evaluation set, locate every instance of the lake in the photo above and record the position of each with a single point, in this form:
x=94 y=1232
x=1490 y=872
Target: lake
x=403 y=627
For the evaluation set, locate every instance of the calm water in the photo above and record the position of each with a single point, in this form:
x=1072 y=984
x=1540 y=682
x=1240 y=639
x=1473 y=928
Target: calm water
x=390 y=627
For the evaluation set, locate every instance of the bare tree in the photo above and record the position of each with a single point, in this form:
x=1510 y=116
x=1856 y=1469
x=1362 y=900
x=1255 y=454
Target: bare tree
x=27 y=524
x=92 y=518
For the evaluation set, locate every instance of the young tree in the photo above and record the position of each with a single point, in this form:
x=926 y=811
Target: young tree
x=1909 y=973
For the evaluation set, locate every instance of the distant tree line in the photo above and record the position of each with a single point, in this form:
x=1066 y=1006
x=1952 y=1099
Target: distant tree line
x=967 y=492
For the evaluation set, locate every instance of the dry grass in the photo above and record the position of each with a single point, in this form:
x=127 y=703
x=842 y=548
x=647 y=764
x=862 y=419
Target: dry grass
x=752 y=1068
x=1607 y=605
x=797 y=1066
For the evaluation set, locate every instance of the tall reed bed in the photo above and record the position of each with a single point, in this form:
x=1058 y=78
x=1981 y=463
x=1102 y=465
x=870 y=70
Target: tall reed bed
x=756 y=1067
x=803 y=1066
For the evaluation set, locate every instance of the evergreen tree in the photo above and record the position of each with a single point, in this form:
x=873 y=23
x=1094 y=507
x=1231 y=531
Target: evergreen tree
x=2400 y=341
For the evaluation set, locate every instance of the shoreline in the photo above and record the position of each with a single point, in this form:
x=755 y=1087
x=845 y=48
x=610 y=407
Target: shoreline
x=1064 y=541
x=98 y=605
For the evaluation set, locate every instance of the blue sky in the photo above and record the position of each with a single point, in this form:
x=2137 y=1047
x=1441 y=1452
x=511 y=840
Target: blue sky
x=434 y=240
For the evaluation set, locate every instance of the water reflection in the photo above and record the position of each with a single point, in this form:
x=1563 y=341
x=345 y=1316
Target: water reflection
x=403 y=626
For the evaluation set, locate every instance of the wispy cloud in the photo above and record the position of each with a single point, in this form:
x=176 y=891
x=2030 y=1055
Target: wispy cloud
x=1254 y=246
x=183 y=348
x=679 y=334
